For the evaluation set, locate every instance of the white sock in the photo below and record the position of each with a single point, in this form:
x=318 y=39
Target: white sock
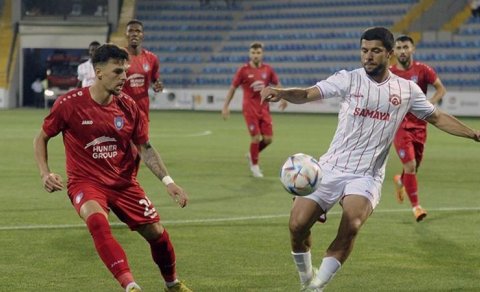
x=327 y=270
x=171 y=284
x=303 y=261
x=132 y=285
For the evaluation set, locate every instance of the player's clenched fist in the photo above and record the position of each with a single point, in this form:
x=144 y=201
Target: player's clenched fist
x=269 y=94
x=52 y=182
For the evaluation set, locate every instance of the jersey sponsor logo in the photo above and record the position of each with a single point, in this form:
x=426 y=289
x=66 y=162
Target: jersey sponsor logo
x=250 y=76
x=356 y=95
x=136 y=80
x=87 y=122
x=119 y=122
x=395 y=99
x=103 y=151
x=373 y=114
x=257 y=85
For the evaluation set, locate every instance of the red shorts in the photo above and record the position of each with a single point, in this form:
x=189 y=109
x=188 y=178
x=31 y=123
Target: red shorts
x=410 y=144
x=130 y=203
x=259 y=124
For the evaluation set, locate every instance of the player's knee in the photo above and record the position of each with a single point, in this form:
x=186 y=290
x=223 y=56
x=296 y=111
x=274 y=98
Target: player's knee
x=267 y=141
x=98 y=225
x=151 y=231
x=297 y=228
x=353 y=227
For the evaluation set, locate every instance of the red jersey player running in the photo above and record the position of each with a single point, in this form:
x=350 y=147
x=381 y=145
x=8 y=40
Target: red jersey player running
x=143 y=68
x=253 y=77
x=411 y=136
x=99 y=125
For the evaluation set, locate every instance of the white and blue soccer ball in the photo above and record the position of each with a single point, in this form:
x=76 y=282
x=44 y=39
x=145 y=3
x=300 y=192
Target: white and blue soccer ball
x=300 y=174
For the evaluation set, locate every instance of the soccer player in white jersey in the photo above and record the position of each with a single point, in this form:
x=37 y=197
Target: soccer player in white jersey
x=85 y=71
x=373 y=103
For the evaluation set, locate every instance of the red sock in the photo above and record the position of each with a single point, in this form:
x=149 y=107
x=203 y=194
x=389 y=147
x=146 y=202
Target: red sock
x=262 y=146
x=254 y=150
x=409 y=180
x=164 y=256
x=109 y=249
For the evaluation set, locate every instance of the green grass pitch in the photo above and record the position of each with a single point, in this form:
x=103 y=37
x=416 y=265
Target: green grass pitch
x=233 y=236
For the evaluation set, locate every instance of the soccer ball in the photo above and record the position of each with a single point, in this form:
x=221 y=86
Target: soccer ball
x=300 y=174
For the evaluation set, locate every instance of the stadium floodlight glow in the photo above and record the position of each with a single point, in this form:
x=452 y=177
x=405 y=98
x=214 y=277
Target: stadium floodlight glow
x=49 y=92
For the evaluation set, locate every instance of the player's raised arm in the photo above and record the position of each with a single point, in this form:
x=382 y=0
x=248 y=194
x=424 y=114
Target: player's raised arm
x=293 y=95
x=154 y=162
x=452 y=125
x=51 y=181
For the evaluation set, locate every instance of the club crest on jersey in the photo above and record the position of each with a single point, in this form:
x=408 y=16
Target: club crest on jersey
x=395 y=99
x=146 y=67
x=78 y=198
x=264 y=75
x=119 y=122
x=414 y=78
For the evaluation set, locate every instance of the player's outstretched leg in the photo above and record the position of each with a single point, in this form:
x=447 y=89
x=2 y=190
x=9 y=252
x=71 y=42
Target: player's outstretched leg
x=109 y=250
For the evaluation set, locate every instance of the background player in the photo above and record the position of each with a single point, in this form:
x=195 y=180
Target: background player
x=411 y=136
x=143 y=68
x=253 y=77
x=85 y=71
x=373 y=103
x=100 y=125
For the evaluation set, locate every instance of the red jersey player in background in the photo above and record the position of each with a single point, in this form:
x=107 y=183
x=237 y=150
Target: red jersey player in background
x=100 y=126
x=411 y=136
x=253 y=77
x=143 y=68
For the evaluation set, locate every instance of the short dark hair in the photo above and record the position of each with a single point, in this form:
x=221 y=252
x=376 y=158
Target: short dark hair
x=256 y=45
x=405 y=38
x=94 y=43
x=135 y=21
x=108 y=51
x=379 y=34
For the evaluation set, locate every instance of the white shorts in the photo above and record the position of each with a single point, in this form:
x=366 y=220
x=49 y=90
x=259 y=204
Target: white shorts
x=336 y=185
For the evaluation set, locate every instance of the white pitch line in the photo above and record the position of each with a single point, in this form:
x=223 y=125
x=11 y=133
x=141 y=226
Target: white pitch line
x=175 y=134
x=225 y=219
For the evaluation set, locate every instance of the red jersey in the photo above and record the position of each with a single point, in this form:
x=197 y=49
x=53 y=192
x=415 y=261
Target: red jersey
x=98 y=138
x=142 y=71
x=423 y=75
x=253 y=80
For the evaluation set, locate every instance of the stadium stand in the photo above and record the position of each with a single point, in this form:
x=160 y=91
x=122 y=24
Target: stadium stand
x=305 y=40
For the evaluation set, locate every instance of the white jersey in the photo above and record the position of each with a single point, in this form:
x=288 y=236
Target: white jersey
x=86 y=73
x=370 y=114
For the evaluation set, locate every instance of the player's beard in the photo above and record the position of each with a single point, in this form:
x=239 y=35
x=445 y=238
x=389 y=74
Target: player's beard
x=376 y=71
x=404 y=61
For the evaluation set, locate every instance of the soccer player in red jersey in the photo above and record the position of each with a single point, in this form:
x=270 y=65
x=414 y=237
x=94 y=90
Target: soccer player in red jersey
x=143 y=68
x=100 y=125
x=253 y=77
x=411 y=136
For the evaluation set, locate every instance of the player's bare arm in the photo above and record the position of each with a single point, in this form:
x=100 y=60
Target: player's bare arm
x=228 y=99
x=154 y=162
x=51 y=181
x=439 y=91
x=452 y=125
x=283 y=103
x=293 y=95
